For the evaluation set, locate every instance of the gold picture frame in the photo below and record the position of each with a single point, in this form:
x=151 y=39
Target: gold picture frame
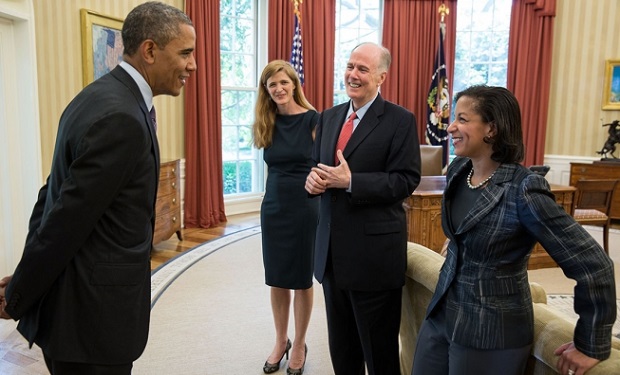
x=102 y=45
x=611 y=93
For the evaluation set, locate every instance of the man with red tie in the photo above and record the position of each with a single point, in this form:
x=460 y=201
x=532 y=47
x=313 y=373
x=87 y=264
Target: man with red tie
x=361 y=243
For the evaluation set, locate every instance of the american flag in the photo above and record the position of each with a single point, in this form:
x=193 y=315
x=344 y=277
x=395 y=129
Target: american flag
x=297 y=53
x=438 y=114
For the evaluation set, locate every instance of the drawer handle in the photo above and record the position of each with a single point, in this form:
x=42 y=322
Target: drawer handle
x=174 y=219
x=174 y=185
x=174 y=170
x=174 y=201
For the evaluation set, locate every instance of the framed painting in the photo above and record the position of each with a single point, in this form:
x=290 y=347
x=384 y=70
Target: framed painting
x=611 y=93
x=102 y=45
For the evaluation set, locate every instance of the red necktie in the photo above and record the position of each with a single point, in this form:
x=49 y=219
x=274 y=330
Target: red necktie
x=345 y=135
x=154 y=118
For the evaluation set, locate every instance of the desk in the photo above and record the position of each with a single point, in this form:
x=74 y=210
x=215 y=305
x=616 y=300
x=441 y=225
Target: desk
x=424 y=217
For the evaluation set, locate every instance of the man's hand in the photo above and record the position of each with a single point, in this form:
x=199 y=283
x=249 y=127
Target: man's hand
x=314 y=183
x=572 y=361
x=3 y=283
x=334 y=177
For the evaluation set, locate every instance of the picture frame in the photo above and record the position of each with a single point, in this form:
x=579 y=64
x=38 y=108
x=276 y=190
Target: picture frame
x=102 y=45
x=611 y=91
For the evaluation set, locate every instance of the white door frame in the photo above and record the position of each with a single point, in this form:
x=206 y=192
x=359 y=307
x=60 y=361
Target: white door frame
x=20 y=144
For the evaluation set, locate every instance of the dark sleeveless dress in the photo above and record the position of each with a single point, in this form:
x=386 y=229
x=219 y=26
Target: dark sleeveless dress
x=288 y=216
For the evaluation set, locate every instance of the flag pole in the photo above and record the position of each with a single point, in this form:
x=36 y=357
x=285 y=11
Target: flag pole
x=443 y=11
x=297 y=56
x=438 y=99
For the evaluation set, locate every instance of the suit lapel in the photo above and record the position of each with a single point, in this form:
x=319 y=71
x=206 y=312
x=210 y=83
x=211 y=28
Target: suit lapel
x=489 y=198
x=122 y=75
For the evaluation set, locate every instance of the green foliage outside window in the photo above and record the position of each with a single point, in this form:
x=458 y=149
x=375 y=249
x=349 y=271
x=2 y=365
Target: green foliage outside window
x=237 y=177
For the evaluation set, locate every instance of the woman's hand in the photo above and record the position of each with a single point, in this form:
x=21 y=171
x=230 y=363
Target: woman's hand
x=572 y=361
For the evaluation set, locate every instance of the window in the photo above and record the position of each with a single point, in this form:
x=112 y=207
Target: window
x=482 y=33
x=356 y=21
x=481 y=56
x=243 y=169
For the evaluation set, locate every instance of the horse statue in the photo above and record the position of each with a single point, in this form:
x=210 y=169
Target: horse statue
x=612 y=139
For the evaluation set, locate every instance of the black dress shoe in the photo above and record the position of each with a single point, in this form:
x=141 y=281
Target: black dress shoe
x=298 y=371
x=269 y=368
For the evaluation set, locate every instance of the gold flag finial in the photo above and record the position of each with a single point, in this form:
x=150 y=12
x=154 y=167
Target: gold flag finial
x=443 y=11
x=296 y=4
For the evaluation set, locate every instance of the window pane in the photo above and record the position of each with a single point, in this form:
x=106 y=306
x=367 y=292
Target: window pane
x=356 y=22
x=481 y=43
x=242 y=164
x=481 y=55
x=238 y=107
x=238 y=70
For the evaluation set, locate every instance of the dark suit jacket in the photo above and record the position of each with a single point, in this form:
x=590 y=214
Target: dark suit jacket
x=365 y=231
x=487 y=292
x=82 y=288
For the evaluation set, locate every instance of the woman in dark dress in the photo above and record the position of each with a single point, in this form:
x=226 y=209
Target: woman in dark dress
x=284 y=127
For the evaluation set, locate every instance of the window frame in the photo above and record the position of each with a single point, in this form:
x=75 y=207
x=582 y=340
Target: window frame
x=239 y=203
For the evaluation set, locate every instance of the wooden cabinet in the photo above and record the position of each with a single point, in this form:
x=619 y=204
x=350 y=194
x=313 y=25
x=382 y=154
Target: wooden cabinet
x=599 y=170
x=168 y=206
x=424 y=217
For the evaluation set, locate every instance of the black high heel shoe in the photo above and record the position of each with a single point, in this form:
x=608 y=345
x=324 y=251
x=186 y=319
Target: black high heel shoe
x=269 y=368
x=298 y=371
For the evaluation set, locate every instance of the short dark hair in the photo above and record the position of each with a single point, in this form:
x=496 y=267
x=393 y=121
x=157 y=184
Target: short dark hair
x=498 y=106
x=152 y=20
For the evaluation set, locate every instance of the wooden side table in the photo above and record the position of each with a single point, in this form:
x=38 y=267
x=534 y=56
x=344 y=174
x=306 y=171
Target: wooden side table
x=168 y=206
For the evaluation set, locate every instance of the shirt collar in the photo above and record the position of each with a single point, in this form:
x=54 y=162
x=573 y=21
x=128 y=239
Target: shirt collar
x=144 y=87
x=361 y=111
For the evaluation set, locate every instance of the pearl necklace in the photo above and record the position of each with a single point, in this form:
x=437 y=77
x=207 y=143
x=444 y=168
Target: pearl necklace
x=481 y=184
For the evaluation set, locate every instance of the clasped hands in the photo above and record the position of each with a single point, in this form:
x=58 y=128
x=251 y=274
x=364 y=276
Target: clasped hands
x=323 y=177
x=3 y=283
x=572 y=361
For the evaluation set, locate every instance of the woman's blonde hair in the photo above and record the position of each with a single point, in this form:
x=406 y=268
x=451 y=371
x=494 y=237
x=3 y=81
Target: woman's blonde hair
x=265 y=109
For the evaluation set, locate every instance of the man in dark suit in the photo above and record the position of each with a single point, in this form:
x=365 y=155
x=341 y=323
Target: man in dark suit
x=81 y=291
x=361 y=243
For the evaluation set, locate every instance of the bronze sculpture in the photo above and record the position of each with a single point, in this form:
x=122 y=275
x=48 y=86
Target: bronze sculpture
x=612 y=139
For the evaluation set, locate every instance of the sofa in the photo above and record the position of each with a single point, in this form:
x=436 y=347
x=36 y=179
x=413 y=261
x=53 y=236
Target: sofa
x=551 y=329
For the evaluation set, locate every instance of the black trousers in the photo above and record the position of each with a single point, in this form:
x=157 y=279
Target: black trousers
x=72 y=368
x=363 y=329
x=437 y=354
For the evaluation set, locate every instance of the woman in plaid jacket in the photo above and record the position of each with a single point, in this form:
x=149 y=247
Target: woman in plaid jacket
x=494 y=210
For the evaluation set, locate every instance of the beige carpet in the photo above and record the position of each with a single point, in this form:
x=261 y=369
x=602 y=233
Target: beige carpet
x=215 y=318
x=211 y=314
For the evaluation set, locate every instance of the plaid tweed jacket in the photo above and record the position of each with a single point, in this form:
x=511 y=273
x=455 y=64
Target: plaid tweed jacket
x=483 y=283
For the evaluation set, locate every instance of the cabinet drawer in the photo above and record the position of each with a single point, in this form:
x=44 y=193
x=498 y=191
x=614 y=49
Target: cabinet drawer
x=166 y=224
x=166 y=203
x=168 y=171
x=167 y=187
